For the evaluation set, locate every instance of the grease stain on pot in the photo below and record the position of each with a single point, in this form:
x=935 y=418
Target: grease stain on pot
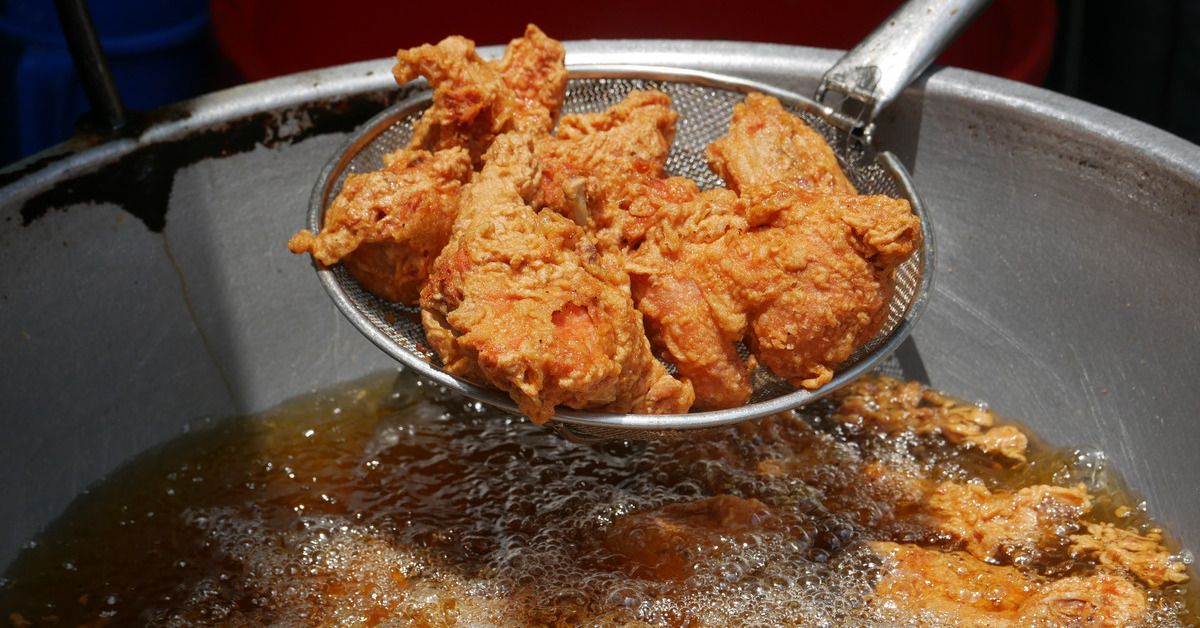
x=141 y=181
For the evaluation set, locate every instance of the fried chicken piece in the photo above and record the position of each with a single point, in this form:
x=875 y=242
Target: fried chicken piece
x=1143 y=555
x=1018 y=526
x=533 y=67
x=889 y=406
x=1021 y=526
x=816 y=272
x=818 y=260
x=788 y=260
x=521 y=300
x=801 y=277
x=666 y=543
x=766 y=144
x=476 y=100
x=606 y=170
x=387 y=226
x=683 y=285
x=932 y=588
x=1097 y=601
x=597 y=164
x=685 y=332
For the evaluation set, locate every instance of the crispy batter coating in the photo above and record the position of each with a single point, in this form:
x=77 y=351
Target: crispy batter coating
x=816 y=270
x=533 y=68
x=1009 y=525
x=522 y=301
x=686 y=330
x=801 y=277
x=890 y=406
x=476 y=100
x=598 y=164
x=1141 y=554
x=689 y=296
x=766 y=144
x=388 y=226
x=788 y=259
x=932 y=588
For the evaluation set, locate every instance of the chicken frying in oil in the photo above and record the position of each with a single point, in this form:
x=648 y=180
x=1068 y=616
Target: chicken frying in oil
x=558 y=260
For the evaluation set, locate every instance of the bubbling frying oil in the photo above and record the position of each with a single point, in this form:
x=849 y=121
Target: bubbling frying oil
x=381 y=505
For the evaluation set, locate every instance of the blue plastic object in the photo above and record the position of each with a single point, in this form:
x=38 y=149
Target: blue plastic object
x=160 y=53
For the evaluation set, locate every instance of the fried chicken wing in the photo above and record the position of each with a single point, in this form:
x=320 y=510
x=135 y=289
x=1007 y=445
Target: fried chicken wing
x=388 y=226
x=522 y=301
x=766 y=144
x=476 y=100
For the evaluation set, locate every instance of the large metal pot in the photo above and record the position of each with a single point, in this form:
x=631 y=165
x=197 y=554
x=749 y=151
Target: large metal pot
x=148 y=283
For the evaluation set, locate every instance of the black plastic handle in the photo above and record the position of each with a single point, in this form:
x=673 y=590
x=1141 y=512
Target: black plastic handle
x=91 y=63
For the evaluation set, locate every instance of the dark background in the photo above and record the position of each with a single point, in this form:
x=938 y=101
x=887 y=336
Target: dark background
x=1140 y=58
x=1137 y=57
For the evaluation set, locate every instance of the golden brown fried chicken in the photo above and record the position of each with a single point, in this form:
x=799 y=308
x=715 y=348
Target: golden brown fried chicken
x=766 y=144
x=815 y=271
x=801 y=277
x=932 y=588
x=686 y=331
x=476 y=100
x=1008 y=525
x=521 y=300
x=890 y=406
x=388 y=226
x=1142 y=555
x=596 y=164
x=788 y=260
x=533 y=68
x=683 y=282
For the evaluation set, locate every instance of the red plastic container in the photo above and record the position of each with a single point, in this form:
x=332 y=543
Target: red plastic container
x=265 y=38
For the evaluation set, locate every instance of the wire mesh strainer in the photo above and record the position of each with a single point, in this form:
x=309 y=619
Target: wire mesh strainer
x=705 y=104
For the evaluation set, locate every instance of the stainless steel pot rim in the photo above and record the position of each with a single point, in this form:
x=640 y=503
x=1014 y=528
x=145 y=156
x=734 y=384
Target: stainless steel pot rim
x=334 y=278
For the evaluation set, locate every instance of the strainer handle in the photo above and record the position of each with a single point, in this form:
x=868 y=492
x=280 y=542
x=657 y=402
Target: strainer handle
x=873 y=74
